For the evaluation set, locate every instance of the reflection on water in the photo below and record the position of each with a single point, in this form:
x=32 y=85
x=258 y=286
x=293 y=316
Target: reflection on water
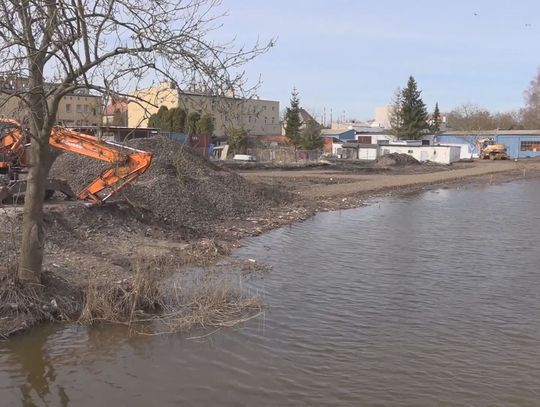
x=426 y=300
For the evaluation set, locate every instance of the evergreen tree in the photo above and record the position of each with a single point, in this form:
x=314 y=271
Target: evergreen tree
x=178 y=119
x=436 y=120
x=205 y=125
x=311 y=136
x=413 y=112
x=238 y=140
x=191 y=123
x=293 y=122
x=158 y=120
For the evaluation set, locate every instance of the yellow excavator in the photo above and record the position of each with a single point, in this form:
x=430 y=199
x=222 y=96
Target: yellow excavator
x=488 y=148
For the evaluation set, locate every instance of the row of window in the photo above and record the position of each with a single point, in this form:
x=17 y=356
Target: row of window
x=81 y=109
x=265 y=119
x=530 y=146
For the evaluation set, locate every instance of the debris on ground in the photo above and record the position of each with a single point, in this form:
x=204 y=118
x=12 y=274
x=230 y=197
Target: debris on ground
x=180 y=189
x=396 y=160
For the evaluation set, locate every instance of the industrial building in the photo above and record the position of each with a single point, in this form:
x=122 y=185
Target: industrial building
x=520 y=143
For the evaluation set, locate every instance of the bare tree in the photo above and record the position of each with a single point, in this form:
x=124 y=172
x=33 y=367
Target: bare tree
x=530 y=115
x=51 y=48
x=394 y=112
x=469 y=117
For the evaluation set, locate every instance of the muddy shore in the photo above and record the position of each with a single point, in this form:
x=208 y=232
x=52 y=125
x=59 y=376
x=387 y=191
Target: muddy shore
x=89 y=248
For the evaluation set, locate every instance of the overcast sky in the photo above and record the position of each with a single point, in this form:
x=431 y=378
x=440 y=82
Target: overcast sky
x=350 y=55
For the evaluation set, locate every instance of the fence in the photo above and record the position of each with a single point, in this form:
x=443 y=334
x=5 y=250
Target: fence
x=284 y=154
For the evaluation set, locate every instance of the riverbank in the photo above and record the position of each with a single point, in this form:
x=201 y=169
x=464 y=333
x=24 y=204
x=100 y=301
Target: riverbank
x=113 y=247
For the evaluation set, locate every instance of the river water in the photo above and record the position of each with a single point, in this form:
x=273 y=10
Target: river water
x=431 y=299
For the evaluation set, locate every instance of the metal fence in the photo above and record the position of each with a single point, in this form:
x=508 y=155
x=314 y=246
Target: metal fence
x=284 y=154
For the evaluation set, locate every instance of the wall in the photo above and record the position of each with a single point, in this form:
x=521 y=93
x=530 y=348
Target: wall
x=257 y=116
x=512 y=139
x=368 y=153
x=284 y=154
x=438 y=154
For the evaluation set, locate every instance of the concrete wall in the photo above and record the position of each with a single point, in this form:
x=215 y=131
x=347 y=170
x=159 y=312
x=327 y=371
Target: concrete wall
x=438 y=154
x=257 y=116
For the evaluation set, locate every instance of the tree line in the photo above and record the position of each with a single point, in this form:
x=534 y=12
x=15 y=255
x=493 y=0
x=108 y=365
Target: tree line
x=179 y=120
x=409 y=118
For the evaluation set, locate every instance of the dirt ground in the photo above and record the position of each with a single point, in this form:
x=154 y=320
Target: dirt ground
x=329 y=185
x=104 y=245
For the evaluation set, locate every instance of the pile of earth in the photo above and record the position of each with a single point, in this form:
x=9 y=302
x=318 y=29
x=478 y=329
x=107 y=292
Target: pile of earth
x=396 y=160
x=180 y=189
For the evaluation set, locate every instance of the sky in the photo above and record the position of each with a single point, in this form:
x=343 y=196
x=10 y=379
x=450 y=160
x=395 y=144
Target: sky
x=350 y=56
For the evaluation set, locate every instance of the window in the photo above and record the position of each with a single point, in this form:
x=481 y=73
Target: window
x=273 y=118
x=265 y=120
x=530 y=146
x=86 y=108
x=68 y=107
x=79 y=108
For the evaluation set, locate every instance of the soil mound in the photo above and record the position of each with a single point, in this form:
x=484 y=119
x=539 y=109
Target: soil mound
x=180 y=189
x=396 y=160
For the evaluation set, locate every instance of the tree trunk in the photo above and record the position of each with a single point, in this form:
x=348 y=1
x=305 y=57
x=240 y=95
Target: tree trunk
x=33 y=237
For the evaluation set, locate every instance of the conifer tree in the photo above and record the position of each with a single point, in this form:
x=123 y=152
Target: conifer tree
x=436 y=120
x=293 y=122
x=413 y=112
x=311 y=136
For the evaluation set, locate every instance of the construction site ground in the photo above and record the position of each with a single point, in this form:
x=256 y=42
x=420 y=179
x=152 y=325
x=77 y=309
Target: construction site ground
x=103 y=245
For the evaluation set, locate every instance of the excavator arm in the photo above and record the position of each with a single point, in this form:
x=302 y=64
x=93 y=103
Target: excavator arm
x=127 y=163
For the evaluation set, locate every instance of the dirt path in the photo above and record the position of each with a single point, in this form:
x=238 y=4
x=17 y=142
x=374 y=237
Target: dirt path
x=324 y=184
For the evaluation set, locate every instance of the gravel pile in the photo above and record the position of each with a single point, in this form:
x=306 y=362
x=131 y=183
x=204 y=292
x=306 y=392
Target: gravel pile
x=180 y=189
x=396 y=160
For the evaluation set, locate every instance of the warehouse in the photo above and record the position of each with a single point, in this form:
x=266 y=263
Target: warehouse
x=520 y=143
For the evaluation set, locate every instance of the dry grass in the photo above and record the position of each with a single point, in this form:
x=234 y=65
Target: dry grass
x=151 y=305
x=23 y=306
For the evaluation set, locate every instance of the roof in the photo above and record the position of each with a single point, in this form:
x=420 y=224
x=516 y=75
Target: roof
x=491 y=133
x=116 y=104
x=305 y=116
x=359 y=145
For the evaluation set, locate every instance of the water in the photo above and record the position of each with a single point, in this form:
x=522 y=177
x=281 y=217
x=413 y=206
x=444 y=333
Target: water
x=430 y=299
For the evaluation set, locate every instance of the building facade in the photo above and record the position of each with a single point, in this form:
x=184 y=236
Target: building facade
x=257 y=116
x=76 y=109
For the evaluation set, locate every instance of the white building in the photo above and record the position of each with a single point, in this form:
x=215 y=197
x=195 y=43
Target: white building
x=436 y=154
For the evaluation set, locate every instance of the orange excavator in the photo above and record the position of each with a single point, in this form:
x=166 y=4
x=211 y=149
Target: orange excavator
x=127 y=163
